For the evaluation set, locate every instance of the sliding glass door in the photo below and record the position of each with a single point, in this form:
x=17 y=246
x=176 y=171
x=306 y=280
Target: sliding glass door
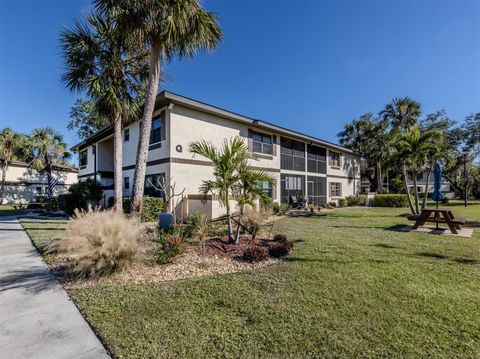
x=292 y=187
x=316 y=190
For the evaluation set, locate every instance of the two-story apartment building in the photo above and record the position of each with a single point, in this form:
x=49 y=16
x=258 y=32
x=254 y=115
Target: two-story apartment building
x=302 y=165
x=25 y=185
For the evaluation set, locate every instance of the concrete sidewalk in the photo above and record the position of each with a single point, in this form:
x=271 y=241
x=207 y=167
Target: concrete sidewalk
x=37 y=318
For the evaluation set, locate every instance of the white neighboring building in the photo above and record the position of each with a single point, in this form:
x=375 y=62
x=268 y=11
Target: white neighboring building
x=422 y=182
x=24 y=185
x=303 y=165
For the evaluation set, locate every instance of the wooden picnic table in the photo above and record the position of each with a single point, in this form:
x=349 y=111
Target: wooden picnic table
x=437 y=215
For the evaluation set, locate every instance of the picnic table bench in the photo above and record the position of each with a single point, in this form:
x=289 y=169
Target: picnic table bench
x=433 y=215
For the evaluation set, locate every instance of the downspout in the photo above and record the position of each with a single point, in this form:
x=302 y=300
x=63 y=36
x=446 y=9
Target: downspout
x=168 y=137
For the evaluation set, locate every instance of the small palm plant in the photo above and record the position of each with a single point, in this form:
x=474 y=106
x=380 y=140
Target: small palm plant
x=226 y=161
x=233 y=176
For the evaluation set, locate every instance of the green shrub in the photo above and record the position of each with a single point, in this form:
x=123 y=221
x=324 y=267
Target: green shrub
x=89 y=189
x=127 y=202
x=276 y=208
x=281 y=246
x=342 y=202
x=192 y=223
x=171 y=247
x=69 y=202
x=151 y=207
x=284 y=207
x=99 y=243
x=255 y=254
x=52 y=204
x=332 y=204
x=266 y=203
x=41 y=199
x=36 y=205
x=218 y=229
x=445 y=200
x=390 y=200
x=355 y=201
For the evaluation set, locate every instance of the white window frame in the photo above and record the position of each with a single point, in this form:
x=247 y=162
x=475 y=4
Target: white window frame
x=339 y=189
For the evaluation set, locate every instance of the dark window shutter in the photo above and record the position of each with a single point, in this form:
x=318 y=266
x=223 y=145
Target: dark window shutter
x=250 y=140
x=274 y=141
x=163 y=134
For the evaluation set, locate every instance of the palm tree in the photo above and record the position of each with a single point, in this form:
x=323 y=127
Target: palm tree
x=98 y=62
x=226 y=164
x=48 y=149
x=165 y=28
x=402 y=113
x=369 y=137
x=413 y=149
x=9 y=143
x=248 y=189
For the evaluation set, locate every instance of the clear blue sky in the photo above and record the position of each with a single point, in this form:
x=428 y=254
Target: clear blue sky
x=311 y=65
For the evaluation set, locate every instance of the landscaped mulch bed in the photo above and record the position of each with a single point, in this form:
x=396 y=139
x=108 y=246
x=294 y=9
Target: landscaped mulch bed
x=189 y=265
x=219 y=246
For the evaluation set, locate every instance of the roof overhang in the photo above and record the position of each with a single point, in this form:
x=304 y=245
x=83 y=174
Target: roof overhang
x=165 y=98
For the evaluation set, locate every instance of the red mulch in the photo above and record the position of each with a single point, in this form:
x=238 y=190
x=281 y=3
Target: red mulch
x=219 y=246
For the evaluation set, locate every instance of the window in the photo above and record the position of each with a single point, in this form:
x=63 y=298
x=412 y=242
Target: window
x=38 y=190
x=419 y=176
x=316 y=190
x=152 y=185
x=316 y=159
x=265 y=187
x=83 y=158
x=157 y=133
x=126 y=182
x=126 y=135
x=292 y=155
x=262 y=143
x=335 y=158
x=335 y=189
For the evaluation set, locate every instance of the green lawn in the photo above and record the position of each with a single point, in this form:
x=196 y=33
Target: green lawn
x=354 y=287
x=9 y=210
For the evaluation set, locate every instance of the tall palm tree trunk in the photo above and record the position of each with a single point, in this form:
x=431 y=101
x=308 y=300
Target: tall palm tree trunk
x=425 y=195
x=415 y=191
x=229 y=225
x=145 y=127
x=407 y=191
x=4 y=180
x=239 y=225
x=49 y=179
x=117 y=163
x=379 y=178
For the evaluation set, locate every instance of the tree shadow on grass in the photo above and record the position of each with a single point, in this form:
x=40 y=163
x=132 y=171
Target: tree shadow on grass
x=472 y=223
x=385 y=245
x=460 y=260
x=432 y=255
x=466 y=260
x=396 y=228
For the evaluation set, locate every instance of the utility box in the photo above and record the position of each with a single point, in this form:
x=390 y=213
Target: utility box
x=165 y=220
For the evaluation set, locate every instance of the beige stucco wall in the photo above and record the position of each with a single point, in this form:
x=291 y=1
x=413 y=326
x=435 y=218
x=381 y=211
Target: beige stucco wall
x=22 y=183
x=189 y=126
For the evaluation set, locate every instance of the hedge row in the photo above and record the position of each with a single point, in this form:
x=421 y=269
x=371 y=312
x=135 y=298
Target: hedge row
x=390 y=200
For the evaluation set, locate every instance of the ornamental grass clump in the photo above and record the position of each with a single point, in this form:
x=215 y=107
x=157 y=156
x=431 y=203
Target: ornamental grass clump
x=99 y=243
